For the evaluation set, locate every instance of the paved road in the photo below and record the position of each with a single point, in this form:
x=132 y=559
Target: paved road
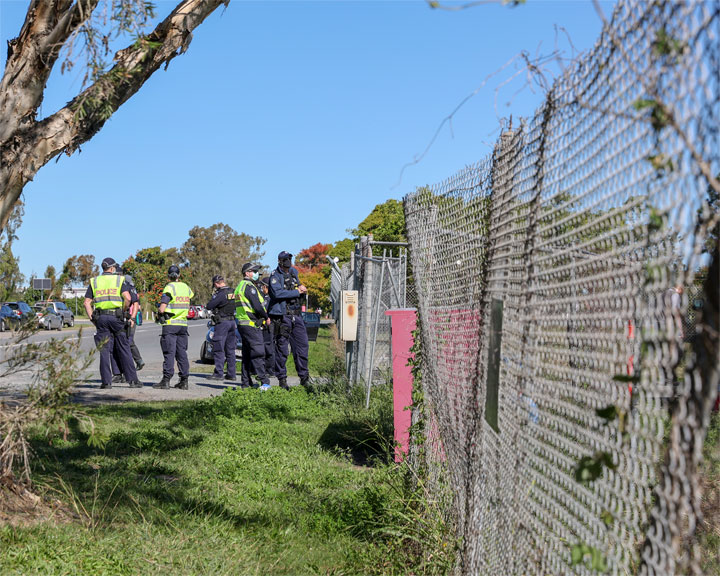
x=147 y=337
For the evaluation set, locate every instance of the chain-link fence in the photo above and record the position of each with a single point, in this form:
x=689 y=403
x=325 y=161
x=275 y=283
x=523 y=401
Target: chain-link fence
x=378 y=271
x=571 y=396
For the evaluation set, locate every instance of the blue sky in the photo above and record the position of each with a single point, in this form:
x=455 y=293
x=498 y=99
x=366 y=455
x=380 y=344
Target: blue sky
x=287 y=120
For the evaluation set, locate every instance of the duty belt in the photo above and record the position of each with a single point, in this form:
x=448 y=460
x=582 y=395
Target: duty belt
x=289 y=312
x=225 y=318
x=113 y=311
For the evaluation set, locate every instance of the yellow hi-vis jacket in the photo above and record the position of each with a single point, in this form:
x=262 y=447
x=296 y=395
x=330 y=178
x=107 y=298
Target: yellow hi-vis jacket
x=106 y=291
x=243 y=308
x=179 y=302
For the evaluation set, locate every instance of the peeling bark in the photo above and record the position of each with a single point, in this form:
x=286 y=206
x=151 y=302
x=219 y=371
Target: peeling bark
x=26 y=145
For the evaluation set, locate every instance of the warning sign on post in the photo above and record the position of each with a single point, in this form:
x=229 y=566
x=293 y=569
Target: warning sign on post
x=348 y=315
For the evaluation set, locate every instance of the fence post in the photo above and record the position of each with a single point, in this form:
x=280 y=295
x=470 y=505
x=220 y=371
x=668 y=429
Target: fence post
x=404 y=322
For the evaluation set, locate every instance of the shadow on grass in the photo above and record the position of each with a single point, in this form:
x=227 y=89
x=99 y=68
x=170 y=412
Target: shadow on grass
x=364 y=444
x=134 y=477
x=138 y=467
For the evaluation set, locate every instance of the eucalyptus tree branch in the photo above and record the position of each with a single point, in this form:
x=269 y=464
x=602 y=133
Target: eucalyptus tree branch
x=31 y=57
x=33 y=144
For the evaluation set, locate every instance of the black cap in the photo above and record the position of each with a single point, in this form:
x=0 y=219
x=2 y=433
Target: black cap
x=108 y=263
x=265 y=280
x=284 y=255
x=217 y=279
x=250 y=266
x=173 y=271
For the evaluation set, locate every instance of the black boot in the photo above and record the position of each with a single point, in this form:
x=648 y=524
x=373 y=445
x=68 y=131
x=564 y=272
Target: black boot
x=164 y=384
x=118 y=379
x=182 y=385
x=136 y=384
x=305 y=382
x=283 y=384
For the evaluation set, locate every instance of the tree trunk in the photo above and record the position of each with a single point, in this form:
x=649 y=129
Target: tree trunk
x=26 y=145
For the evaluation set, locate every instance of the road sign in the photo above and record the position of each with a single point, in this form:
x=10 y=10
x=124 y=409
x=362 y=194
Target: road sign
x=42 y=284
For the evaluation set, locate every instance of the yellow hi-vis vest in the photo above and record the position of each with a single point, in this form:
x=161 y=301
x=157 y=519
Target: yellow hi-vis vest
x=179 y=303
x=106 y=291
x=243 y=308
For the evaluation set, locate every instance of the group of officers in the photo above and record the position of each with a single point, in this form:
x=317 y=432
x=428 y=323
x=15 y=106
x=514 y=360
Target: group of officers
x=267 y=314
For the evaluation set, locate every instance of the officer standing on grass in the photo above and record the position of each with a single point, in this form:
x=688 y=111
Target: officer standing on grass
x=222 y=305
x=172 y=314
x=110 y=296
x=286 y=315
x=251 y=315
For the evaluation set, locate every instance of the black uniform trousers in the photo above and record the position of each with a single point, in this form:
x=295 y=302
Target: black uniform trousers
x=290 y=329
x=269 y=350
x=224 y=345
x=110 y=336
x=174 y=343
x=137 y=358
x=253 y=355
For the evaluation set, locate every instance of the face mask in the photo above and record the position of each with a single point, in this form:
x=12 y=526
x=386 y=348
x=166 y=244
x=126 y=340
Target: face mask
x=255 y=276
x=285 y=263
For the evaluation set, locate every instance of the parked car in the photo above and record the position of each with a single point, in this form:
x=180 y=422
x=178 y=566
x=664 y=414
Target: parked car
x=50 y=320
x=8 y=318
x=206 y=349
x=62 y=310
x=21 y=310
x=202 y=312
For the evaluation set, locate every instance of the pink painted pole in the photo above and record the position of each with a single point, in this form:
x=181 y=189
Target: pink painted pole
x=403 y=324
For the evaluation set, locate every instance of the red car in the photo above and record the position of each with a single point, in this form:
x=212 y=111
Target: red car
x=192 y=314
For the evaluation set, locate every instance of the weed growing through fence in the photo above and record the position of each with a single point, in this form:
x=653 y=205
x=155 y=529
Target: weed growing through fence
x=709 y=529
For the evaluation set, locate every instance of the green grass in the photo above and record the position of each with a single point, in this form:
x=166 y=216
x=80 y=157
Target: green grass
x=323 y=356
x=709 y=532
x=244 y=483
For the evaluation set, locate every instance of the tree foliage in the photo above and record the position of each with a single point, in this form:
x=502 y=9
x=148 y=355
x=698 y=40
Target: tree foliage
x=10 y=277
x=149 y=271
x=81 y=268
x=312 y=258
x=342 y=249
x=386 y=222
x=314 y=271
x=217 y=249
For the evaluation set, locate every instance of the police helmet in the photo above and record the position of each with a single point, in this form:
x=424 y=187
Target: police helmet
x=173 y=271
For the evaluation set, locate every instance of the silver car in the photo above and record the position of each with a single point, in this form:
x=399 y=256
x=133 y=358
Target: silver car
x=61 y=309
x=50 y=320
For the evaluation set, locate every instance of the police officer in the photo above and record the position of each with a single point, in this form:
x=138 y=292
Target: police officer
x=222 y=305
x=110 y=295
x=286 y=315
x=267 y=328
x=130 y=333
x=251 y=315
x=172 y=314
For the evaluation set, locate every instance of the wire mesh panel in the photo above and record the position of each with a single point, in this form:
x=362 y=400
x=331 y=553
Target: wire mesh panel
x=558 y=354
